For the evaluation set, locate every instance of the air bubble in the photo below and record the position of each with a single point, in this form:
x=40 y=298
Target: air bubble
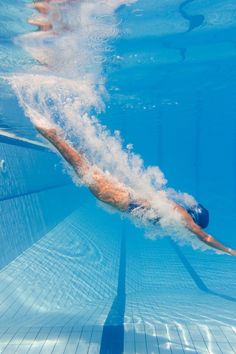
x=3 y=168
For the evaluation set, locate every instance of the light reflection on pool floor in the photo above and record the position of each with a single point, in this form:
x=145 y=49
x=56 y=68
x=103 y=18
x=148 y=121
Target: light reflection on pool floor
x=58 y=294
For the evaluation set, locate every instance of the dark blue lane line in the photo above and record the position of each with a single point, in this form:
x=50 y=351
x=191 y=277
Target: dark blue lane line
x=34 y=191
x=27 y=144
x=196 y=278
x=194 y=20
x=112 y=341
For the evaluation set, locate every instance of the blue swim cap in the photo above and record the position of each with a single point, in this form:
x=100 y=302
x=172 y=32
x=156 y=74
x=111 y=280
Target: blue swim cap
x=200 y=215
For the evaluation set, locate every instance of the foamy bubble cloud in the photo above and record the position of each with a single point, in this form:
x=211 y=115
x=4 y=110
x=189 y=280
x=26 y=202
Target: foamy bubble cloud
x=67 y=89
x=52 y=99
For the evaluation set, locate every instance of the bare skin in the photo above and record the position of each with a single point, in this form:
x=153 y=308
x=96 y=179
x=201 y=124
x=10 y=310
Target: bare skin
x=44 y=8
x=43 y=26
x=114 y=193
x=99 y=184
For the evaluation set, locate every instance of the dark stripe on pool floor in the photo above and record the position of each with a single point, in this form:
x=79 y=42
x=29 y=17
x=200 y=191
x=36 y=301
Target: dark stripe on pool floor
x=196 y=278
x=112 y=341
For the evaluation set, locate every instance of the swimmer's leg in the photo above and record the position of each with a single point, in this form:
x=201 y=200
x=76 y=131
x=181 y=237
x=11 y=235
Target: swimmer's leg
x=102 y=187
x=75 y=159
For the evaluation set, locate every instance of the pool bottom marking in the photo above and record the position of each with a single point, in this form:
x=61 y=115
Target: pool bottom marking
x=196 y=278
x=112 y=341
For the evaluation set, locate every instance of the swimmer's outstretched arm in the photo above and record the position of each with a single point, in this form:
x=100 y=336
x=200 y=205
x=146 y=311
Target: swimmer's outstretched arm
x=203 y=236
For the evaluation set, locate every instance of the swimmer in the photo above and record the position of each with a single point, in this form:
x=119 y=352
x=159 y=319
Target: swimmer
x=42 y=7
x=50 y=14
x=110 y=191
x=42 y=23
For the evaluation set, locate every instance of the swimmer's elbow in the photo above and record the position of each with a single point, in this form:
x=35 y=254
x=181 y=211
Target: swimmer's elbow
x=207 y=239
x=203 y=236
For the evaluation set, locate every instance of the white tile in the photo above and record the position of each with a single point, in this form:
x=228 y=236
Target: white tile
x=165 y=351
x=36 y=347
x=94 y=348
x=229 y=334
x=23 y=349
x=227 y=348
x=141 y=347
x=152 y=345
x=82 y=347
x=177 y=350
x=10 y=349
x=72 y=343
x=201 y=347
x=129 y=347
x=60 y=347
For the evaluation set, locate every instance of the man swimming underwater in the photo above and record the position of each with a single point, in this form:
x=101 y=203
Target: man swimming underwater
x=112 y=192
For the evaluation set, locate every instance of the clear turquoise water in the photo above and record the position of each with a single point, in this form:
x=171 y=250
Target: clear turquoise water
x=77 y=278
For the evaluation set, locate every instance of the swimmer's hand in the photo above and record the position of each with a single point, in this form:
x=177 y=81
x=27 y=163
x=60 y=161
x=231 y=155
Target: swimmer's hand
x=202 y=235
x=231 y=252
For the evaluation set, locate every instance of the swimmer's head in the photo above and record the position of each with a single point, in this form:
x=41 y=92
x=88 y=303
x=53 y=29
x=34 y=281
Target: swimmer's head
x=200 y=215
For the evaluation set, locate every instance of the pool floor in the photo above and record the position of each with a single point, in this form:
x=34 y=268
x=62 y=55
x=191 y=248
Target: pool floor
x=95 y=285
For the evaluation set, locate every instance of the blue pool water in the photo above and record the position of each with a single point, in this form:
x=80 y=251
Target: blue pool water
x=76 y=276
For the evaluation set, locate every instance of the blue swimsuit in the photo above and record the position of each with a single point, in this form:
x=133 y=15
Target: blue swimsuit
x=134 y=204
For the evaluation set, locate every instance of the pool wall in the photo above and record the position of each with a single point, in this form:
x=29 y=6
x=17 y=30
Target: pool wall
x=35 y=194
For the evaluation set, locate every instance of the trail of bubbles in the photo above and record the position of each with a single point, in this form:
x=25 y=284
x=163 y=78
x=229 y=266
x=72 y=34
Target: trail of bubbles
x=68 y=90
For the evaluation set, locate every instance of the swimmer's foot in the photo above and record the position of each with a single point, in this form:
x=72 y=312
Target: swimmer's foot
x=43 y=26
x=42 y=7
